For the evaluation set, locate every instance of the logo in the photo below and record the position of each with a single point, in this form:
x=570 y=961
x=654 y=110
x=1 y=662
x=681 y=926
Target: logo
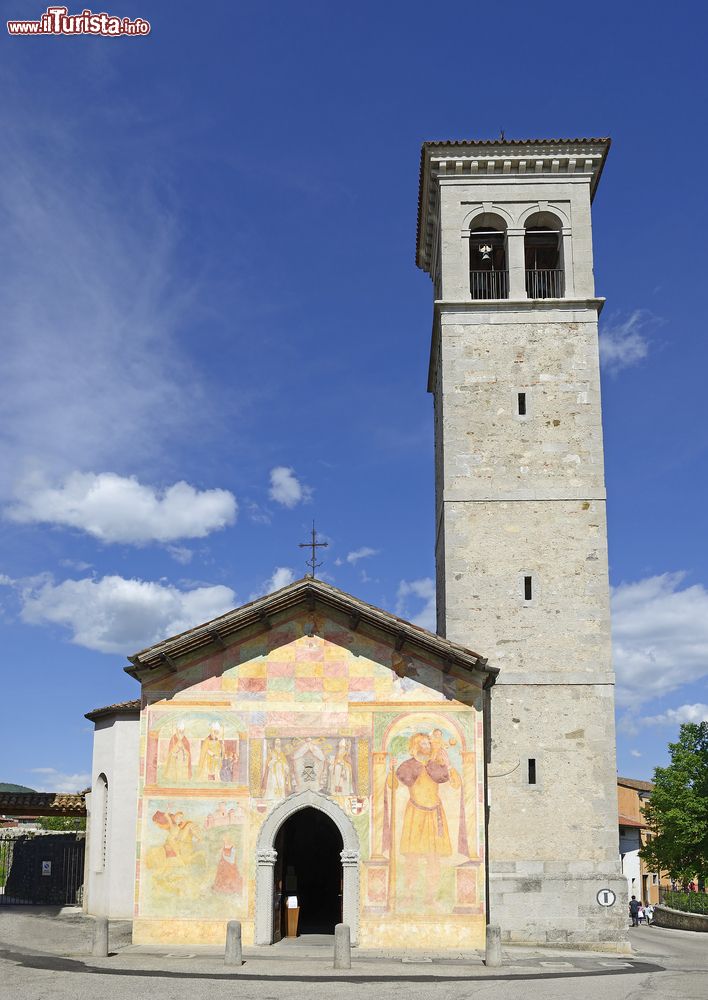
x=58 y=21
x=356 y=805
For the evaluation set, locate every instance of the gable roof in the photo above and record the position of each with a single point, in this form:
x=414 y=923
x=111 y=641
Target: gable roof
x=308 y=593
x=640 y=786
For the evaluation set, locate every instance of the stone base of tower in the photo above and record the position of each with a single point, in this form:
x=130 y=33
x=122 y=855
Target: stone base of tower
x=555 y=903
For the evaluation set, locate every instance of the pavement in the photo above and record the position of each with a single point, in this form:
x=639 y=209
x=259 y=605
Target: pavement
x=45 y=953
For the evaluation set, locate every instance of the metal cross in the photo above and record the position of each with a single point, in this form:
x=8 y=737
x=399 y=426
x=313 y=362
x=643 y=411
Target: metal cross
x=314 y=545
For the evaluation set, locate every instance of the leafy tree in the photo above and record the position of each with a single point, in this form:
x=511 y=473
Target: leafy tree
x=677 y=813
x=62 y=823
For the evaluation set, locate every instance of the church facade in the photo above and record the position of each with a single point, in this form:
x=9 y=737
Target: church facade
x=311 y=752
x=306 y=746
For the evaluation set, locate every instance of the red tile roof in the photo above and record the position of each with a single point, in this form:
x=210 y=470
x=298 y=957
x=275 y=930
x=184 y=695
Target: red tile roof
x=30 y=804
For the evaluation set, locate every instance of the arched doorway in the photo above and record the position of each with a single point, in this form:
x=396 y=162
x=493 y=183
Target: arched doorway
x=309 y=867
x=267 y=859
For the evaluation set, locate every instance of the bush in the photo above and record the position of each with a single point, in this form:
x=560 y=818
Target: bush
x=689 y=902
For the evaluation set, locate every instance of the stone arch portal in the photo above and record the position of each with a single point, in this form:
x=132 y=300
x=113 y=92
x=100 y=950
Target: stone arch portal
x=266 y=856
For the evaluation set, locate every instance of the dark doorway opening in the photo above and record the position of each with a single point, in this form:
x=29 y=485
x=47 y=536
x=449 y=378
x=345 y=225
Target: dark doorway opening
x=309 y=866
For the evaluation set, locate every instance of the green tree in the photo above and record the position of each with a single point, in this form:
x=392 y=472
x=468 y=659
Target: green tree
x=62 y=823
x=677 y=813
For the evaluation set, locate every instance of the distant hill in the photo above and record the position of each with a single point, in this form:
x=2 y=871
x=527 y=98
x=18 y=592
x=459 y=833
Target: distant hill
x=6 y=786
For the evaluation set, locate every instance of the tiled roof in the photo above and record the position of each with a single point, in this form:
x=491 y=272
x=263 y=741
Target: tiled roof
x=641 y=786
x=310 y=593
x=41 y=804
x=119 y=708
x=629 y=821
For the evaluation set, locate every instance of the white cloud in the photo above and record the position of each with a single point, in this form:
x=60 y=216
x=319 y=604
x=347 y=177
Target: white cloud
x=180 y=554
x=286 y=488
x=116 y=508
x=56 y=781
x=423 y=590
x=624 y=343
x=362 y=553
x=93 y=299
x=634 y=753
x=675 y=716
x=660 y=636
x=115 y=615
x=281 y=577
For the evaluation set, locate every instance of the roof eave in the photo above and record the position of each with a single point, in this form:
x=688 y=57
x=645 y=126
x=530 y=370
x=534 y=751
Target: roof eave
x=211 y=633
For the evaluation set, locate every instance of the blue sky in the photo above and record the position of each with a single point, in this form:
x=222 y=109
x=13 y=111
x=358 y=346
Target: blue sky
x=207 y=279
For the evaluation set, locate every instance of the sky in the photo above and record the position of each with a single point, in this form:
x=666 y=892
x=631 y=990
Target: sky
x=213 y=330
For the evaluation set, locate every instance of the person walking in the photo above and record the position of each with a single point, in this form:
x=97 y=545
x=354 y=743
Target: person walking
x=649 y=914
x=634 y=911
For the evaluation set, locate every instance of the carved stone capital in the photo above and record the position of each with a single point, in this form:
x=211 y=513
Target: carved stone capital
x=350 y=857
x=266 y=857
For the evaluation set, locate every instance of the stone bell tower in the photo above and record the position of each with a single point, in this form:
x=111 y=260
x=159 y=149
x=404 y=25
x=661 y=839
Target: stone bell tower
x=504 y=231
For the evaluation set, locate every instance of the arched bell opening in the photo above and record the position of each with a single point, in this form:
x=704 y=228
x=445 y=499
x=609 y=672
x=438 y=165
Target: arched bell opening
x=543 y=251
x=488 y=258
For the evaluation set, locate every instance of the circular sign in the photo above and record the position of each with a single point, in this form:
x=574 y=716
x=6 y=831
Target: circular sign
x=606 y=897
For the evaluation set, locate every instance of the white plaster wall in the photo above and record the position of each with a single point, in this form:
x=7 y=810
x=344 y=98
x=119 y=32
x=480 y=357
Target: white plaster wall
x=110 y=888
x=630 y=844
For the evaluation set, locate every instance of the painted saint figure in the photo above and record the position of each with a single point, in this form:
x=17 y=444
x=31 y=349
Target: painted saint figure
x=211 y=754
x=277 y=779
x=178 y=766
x=425 y=830
x=341 y=778
x=228 y=879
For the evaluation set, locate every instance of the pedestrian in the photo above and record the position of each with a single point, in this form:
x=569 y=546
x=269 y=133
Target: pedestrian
x=649 y=914
x=634 y=911
x=640 y=912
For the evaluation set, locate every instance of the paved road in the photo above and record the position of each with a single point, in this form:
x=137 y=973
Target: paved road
x=44 y=958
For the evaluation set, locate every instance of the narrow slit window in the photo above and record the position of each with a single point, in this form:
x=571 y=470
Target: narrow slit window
x=522 y=404
x=532 y=770
x=528 y=588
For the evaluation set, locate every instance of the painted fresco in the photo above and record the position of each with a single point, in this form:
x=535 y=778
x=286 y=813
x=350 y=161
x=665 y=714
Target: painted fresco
x=395 y=741
x=193 y=850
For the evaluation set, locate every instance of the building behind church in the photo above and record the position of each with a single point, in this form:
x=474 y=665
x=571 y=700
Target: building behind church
x=312 y=747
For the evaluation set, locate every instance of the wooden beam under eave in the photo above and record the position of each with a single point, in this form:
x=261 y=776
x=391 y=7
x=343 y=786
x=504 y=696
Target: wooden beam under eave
x=169 y=662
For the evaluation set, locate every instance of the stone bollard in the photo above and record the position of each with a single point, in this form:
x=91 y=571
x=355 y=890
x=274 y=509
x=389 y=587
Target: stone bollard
x=100 y=937
x=342 y=947
x=233 y=954
x=493 y=952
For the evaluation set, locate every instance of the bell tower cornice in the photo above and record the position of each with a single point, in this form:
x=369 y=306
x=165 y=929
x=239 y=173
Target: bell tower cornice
x=499 y=161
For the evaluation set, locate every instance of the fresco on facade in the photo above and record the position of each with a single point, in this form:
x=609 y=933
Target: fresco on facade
x=296 y=764
x=194 y=750
x=193 y=857
x=392 y=739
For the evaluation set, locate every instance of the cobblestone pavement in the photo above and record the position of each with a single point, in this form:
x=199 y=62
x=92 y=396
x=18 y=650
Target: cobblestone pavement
x=44 y=954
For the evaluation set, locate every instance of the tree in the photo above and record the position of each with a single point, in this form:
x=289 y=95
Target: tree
x=677 y=813
x=62 y=823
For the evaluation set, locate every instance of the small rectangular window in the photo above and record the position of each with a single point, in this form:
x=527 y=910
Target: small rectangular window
x=528 y=588
x=532 y=770
x=522 y=404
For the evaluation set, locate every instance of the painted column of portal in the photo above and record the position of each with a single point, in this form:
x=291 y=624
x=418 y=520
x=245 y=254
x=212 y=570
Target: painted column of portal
x=265 y=864
x=377 y=804
x=469 y=784
x=350 y=902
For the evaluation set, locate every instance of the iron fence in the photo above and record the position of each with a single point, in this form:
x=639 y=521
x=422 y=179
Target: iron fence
x=688 y=902
x=545 y=284
x=41 y=868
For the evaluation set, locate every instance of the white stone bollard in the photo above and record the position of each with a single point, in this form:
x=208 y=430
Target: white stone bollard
x=342 y=947
x=493 y=952
x=100 y=937
x=233 y=955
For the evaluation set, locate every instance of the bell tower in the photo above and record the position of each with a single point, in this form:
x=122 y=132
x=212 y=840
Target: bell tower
x=504 y=231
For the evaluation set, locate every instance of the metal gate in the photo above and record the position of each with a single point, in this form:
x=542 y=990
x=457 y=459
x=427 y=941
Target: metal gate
x=42 y=868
